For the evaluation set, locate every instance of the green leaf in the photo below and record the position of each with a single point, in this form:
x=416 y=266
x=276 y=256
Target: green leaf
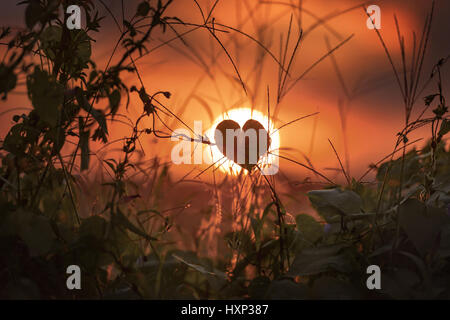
x=309 y=227
x=406 y=169
x=46 y=95
x=83 y=49
x=35 y=230
x=421 y=223
x=77 y=51
x=94 y=226
x=50 y=40
x=331 y=202
x=317 y=260
x=96 y=241
x=445 y=127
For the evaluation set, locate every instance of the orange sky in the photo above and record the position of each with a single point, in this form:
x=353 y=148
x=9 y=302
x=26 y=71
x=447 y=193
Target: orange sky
x=373 y=118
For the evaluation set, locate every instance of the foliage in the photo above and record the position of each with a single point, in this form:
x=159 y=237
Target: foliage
x=401 y=224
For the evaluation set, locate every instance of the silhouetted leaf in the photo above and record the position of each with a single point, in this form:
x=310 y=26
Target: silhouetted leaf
x=123 y=220
x=399 y=283
x=327 y=288
x=14 y=141
x=143 y=9
x=51 y=41
x=77 y=54
x=429 y=99
x=97 y=114
x=332 y=202
x=409 y=167
x=7 y=80
x=114 y=101
x=317 y=260
x=84 y=147
x=257 y=289
x=309 y=227
x=33 y=13
x=46 y=95
x=194 y=266
x=445 y=127
x=422 y=224
x=287 y=290
x=35 y=230
x=94 y=226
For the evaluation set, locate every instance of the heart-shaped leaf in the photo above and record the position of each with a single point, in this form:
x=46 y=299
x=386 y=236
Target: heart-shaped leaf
x=243 y=146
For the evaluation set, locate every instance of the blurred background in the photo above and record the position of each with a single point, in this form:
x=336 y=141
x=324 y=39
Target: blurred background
x=359 y=104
